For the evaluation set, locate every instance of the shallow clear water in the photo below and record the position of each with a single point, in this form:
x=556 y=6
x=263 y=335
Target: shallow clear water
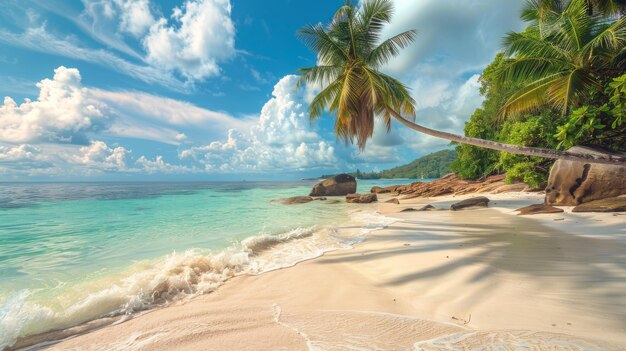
x=71 y=252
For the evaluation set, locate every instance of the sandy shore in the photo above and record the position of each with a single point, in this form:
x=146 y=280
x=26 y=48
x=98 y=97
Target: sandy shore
x=476 y=279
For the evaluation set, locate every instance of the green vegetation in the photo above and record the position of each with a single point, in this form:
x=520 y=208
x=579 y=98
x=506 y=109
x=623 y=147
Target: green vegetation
x=434 y=165
x=560 y=83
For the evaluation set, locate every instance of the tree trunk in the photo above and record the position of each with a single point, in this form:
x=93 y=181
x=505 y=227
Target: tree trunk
x=514 y=149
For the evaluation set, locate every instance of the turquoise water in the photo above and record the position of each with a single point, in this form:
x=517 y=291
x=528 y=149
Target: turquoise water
x=71 y=252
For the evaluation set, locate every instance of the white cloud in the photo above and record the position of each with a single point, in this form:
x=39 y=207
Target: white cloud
x=60 y=114
x=63 y=159
x=282 y=139
x=24 y=159
x=170 y=111
x=450 y=116
x=136 y=16
x=100 y=156
x=18 y=153
x=153 y=117
x=199 y=36
x=158 y=165
x=38 y=39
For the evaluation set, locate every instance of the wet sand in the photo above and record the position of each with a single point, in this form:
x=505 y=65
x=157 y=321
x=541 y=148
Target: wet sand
x=440 y=280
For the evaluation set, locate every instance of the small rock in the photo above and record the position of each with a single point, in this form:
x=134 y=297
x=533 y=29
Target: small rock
x=427 y=208
x=423 y=208
x=537 y=209
x=296 y=200
x=479 y=201
x=379 y=190
x=559 y=219
x=361 y=198
x=613 y=204
x=392 y=201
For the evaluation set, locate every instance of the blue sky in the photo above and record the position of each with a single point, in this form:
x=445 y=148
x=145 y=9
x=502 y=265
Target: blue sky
x=203 y=89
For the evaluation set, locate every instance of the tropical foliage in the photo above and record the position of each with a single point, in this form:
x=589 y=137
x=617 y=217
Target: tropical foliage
x=563 y=58
x=560 y=83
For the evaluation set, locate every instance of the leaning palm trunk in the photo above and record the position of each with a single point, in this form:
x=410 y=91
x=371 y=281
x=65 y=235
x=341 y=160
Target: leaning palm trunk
x=514 y=149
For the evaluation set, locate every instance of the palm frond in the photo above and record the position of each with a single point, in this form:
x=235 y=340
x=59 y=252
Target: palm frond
x=609 y=35
x=323 y=100
x=318 y=40
x=567 y=88
x=322 y=75
x=371 y=18
x=527 y=69
x=530 y=98
x=390 y=48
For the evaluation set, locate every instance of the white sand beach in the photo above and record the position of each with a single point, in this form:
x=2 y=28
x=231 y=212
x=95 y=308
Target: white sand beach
x=442 y=280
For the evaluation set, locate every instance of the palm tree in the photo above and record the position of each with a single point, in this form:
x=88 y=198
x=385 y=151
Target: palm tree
x=563 y=57
x=603 y=7
x=350 y=53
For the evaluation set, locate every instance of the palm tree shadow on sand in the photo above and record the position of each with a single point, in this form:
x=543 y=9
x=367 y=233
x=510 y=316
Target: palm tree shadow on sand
x=589 y=270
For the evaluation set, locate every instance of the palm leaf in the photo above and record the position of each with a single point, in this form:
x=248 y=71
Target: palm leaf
x=390 y=48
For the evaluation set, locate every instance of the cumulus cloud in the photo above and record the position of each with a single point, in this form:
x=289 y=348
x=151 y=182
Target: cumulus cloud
x=136 y=17
x=158 y=165
x=18 y=153
x=199 y=35
x=100 y=156
x=23 y=159
x=60 y=114
x=63 y=159
x=282 y=139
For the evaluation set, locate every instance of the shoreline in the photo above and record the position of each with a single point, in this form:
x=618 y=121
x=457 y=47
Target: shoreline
x=509 y=297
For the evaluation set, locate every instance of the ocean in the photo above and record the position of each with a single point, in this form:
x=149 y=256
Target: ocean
x=75 y=252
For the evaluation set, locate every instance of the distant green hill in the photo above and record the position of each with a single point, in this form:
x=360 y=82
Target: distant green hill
x=434 y=165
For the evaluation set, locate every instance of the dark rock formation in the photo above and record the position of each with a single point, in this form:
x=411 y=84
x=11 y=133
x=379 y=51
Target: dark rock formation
x=572 y=183
x=296 y=200
x=339 y=185
x=613 y=204
x=393 y=201
x=537 y=209
x=379 y=190
x=361 y=198
x=479 y=201
x=451 y=184
x=300 y=200
x=423 y=208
